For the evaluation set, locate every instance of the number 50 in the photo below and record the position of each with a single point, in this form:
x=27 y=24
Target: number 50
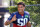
x=22 y=22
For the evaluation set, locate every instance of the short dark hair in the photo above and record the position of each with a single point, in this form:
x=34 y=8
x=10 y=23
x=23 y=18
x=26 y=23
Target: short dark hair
x=21 y=3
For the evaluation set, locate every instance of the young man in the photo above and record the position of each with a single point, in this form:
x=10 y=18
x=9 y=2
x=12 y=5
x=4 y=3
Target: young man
x=20 y=18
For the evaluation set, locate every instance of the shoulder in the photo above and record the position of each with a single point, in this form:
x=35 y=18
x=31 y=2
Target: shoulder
x=15 y=12
x=26 y=12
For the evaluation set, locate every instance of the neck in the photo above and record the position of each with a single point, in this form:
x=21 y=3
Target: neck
x=21 y=13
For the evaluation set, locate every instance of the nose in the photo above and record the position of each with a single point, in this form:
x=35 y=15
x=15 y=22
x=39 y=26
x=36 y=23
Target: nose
x=19 y=8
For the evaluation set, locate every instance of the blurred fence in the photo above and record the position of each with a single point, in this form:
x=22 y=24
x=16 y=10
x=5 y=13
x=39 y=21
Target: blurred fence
x=35 y=8
x=34 y=11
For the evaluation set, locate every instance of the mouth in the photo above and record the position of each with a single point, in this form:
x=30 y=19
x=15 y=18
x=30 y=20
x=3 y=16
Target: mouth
x=20 y=10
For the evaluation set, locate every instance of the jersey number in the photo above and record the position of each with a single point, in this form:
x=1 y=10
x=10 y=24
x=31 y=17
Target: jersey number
x=22 y=22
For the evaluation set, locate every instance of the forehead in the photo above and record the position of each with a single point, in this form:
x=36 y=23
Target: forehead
x=20 y=5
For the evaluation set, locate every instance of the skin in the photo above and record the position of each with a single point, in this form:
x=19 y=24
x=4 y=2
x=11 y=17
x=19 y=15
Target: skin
x=28 y=24
x=21 y=11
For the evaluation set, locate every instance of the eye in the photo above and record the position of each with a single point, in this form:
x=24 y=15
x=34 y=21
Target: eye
x=21 y=7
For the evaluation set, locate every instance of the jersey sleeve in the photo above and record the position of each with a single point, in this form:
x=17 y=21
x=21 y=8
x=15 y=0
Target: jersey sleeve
x=28 y=17
x=11 y=16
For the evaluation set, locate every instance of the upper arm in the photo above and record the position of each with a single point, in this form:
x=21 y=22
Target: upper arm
x=28 y=23
x=28 y=17
x=11 y=16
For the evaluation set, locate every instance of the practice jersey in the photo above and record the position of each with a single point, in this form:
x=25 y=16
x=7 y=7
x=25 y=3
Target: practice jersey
x=21 y=20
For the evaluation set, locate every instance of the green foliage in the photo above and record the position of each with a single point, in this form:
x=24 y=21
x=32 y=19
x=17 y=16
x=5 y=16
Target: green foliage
x=27 y=2
x=12 y=9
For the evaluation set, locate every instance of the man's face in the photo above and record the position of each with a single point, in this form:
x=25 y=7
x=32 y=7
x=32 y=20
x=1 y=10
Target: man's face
x=21 y=8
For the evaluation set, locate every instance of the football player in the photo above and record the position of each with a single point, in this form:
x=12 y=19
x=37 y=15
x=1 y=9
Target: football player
x=20 y=18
